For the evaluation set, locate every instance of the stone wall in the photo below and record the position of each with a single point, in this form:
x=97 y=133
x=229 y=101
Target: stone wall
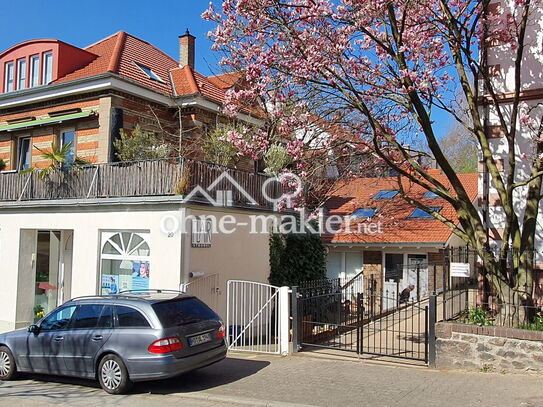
x=488 y=348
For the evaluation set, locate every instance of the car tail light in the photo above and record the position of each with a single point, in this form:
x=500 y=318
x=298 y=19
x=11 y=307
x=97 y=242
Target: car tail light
x=165 y=345
x=221 y=333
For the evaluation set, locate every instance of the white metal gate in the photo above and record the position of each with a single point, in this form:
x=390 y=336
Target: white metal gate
x=205 y=288
x=257 y=317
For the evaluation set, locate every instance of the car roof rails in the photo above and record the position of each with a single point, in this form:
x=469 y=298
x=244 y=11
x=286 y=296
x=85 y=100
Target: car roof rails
x=151 y=290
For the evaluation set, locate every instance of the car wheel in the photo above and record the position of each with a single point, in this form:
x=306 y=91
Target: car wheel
x=8 y=369
x=113 y=376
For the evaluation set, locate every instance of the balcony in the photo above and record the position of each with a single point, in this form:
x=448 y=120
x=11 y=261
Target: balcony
x=149 y=178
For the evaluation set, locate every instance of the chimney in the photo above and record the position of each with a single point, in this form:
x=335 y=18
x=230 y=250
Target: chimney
x=186 y=49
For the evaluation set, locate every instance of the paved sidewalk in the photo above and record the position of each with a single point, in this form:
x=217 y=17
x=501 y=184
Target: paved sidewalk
x=298 y=380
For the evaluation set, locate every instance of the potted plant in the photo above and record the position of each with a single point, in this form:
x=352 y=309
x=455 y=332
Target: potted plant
x=39 y=312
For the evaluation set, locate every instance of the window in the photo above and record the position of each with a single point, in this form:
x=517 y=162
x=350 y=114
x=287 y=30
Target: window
x=87 y=316
x=431 y=195
x=106 y=319
x=385 y=194
x=183 y=312
x=363 y=213
x=9 y=73
x=130 y=318
x=24 y=157
x=21 y=74
x=393 y=266
x=343 y=265
x=34 y=70
x=125 y=262
x=149 y=72
x=47 y=68
x=420 y=214
x=58 y=320
x=65 y=138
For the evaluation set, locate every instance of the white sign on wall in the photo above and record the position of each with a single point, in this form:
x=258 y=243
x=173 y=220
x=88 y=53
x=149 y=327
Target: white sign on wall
x=201 y=232
x=460 y=270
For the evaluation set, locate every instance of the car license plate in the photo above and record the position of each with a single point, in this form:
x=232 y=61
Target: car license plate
x=199 y=339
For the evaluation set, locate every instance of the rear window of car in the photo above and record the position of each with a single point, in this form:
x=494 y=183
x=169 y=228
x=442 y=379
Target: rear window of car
x=130 y=318
x=183 y=311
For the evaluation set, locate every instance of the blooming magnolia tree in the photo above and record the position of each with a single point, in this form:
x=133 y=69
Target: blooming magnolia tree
x=379 y=70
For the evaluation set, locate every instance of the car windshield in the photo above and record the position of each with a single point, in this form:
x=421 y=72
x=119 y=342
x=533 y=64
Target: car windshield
x=183 y=311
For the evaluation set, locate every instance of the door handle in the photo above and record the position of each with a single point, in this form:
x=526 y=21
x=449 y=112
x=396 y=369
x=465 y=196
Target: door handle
x=59 y=338
x=97 y=338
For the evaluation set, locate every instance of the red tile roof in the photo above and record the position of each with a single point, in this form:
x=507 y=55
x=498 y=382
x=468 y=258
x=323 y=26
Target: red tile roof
x=225 y=80
x=119 y=54
x=393 y=213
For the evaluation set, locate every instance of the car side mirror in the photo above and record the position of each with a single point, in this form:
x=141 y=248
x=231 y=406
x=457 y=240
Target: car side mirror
x=34 y=329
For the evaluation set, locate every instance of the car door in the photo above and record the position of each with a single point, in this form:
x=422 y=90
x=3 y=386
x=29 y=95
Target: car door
x=45 y=350
x=91 y=327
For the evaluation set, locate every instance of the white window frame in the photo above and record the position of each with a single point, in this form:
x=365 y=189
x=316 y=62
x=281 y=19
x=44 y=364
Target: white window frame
x=32 y=71
x=21 y=73
x=61 y=141
x=19 y=148
x=47 y=71
x=9 y=66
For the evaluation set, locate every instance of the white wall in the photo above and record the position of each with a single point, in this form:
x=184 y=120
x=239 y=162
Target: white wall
x=86 y=226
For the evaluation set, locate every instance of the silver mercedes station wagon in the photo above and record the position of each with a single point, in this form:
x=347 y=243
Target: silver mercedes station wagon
x=118 y=339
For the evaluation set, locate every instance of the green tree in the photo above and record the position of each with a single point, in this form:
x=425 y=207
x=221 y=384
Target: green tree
x=460 y=147
x=296 y=257
x=140 y=145
x=217 y=149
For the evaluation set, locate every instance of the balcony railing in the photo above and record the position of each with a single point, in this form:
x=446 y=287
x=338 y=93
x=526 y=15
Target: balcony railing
x=163 y=177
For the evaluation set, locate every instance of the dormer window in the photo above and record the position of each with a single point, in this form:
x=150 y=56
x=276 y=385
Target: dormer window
x=34 y=71
x=47 y=68
x=9 y=77
x=21 y=74
x=149 y=72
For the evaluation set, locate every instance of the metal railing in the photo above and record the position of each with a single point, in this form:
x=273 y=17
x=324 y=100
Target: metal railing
x=160 y=177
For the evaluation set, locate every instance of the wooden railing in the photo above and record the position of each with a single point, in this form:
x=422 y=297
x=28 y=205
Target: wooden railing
x=163 y=177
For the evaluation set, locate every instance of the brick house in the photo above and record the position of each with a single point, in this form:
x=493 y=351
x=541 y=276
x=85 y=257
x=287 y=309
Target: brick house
x=102 y=227
x=390 y=242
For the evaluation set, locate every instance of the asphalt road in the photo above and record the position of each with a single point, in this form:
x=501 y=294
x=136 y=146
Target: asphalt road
x=291 y=381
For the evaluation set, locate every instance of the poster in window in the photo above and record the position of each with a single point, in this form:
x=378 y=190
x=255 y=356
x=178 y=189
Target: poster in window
x=110 y=284
x=140 y=276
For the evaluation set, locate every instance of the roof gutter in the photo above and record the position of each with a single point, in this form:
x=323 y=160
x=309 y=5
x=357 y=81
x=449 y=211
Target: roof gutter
x=385 y=245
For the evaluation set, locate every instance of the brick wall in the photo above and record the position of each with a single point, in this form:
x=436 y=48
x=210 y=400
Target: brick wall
x=500 y=349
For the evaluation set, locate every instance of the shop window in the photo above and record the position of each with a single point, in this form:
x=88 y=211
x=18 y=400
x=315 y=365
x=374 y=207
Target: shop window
x=125 y=262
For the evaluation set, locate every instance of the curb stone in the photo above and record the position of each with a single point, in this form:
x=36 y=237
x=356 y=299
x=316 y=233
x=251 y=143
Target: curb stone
x=229 y=400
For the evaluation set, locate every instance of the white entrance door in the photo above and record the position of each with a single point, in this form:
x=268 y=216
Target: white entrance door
x=416 y=273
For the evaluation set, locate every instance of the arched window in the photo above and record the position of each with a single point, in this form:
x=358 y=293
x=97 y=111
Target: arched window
x=125 y=262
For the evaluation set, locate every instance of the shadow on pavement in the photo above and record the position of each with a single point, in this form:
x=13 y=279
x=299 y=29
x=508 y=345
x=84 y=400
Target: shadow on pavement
x=225 y=372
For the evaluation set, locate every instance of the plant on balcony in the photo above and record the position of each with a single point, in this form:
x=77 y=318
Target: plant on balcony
x=60 y=160
x=140 y=145
x=2 y=165
x=217 y=149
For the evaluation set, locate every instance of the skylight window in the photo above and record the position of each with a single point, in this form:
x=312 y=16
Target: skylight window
x=149 y=72
x=363 y=213
x=420 y=214
x=386 y=194
x=431 y=195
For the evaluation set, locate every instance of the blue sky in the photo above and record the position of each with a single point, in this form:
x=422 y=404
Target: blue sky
x=82 y=23
x=159 y=22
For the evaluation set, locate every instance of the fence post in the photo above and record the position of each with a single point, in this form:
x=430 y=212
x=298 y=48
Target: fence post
x=432 y=309
x=294 y=319
x=418 y=282
x=283 y=320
